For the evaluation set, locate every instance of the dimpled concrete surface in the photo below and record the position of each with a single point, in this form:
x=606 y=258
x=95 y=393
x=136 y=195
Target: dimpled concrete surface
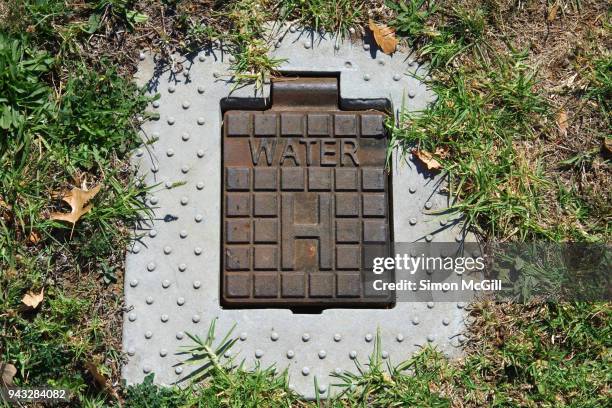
x=172 y=281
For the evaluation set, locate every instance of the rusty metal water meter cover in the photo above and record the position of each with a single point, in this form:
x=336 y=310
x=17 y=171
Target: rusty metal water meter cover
x=305 y=201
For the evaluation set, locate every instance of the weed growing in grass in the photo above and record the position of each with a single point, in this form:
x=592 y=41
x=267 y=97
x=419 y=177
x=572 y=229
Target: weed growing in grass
x=254 y=64
x=25 y=98
x=206 y=355
x=382 y=384
x=244 y=33
x=410 y=17
x=336 y=16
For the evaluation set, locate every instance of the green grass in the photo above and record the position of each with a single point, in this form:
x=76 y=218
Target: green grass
x=336 y=16
x=60 y=131
x=600 y=84
x=477 y=118
x=68 y=114
x=491 y=119
x=53 y=140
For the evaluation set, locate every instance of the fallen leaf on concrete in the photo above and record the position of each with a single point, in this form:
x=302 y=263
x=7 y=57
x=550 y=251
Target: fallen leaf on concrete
x=32 y=299
x=384 y=36
x=428 y=159
x=562 y=122
x=8 y=371
x=77 y=199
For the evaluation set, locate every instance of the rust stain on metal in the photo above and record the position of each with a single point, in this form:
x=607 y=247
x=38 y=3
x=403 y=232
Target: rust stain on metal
x=305 y=196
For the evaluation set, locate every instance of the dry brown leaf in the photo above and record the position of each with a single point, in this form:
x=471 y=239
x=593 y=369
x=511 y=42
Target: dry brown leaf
x=8 y=371
x=384 y=36
x=607 y=146
x=428 y=159
x=10 y=273
x=442 y=152
x=32 y=299
x=5 y=209
x=34 y=237
x=100 y=379
x=3 y=204
x=562 y=122
x=552 y=13
x=77 y=199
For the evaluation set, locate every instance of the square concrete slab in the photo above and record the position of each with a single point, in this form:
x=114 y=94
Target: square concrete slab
x=173 y=273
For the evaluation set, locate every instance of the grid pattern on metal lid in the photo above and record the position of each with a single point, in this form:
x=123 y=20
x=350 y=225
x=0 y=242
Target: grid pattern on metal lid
x=305 y=202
